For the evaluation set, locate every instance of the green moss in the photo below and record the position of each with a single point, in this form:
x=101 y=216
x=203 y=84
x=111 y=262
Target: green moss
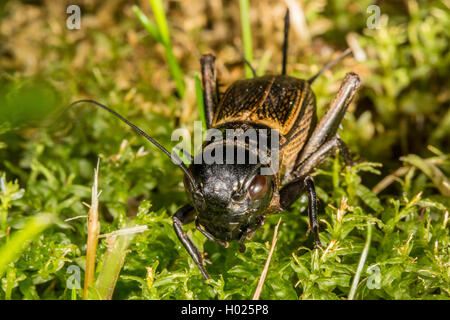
x=399 y=123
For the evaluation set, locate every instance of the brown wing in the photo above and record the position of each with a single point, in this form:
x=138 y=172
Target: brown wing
x=279 y=102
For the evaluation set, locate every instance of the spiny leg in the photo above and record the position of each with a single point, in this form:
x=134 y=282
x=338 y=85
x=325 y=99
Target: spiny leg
x=292 y=191
x=329 y=123
x=312 y=210
x=322 y=143
x=346 y=153
x=184 y=216
x=327 y=149
x=210 y=89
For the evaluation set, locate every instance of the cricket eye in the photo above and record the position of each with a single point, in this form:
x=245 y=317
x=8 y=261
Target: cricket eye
x=258 y=187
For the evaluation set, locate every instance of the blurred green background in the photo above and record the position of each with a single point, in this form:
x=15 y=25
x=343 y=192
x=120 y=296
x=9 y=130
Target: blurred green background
x=395 y=204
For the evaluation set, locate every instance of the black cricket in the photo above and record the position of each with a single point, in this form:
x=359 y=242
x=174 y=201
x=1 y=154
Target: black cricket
x=229 y=202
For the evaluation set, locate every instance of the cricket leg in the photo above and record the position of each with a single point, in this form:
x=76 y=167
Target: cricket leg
x=322 y=143
x=210 y=93
x=327 y=128
x=184 y=216
x=312 y=210
x=327 y=149
x=292 y=191
x=209 y=236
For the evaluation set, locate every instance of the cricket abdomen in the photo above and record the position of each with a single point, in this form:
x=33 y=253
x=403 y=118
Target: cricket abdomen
x=280 y=102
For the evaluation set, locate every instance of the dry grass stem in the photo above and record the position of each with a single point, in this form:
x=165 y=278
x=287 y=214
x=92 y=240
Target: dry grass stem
x=137 y=229
x=383 y=184
x=266 y=266
x=92 y=237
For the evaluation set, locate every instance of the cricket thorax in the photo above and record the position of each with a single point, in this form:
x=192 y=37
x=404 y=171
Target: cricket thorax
x=280 y=102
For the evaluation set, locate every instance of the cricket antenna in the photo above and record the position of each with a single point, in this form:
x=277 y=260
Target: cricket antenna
x=146 y=136
x=285 y=41
x=330 y=64
x=250 y=66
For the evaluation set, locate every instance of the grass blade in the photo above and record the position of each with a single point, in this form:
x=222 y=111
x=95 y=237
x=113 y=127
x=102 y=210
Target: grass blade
x=246 y=35
x=161 y=33
x=361 y=263
x=437 y=176
x=161 y=21
x=149 y=25
x=20 y=239
x=112 y=264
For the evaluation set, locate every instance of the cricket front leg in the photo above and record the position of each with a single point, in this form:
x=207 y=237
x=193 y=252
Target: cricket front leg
x=184 y=216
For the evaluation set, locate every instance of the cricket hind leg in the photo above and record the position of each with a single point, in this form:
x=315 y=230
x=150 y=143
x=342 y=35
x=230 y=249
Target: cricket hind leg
x=292 y=190
x=327 y=128
x=326 y=131
x=302 y=181
x=210 y=88
x=322 y=143
x=183 y=216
